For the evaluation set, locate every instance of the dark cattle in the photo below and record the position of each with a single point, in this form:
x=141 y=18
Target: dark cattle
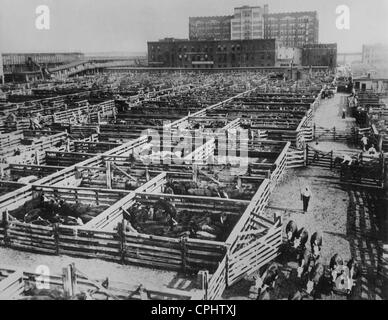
x=32 y=215
x=306 y=262
x=314 y=279
x=265 y=282
x=301 y=238
x=316 y=244
x=202 y=192
x=41 y=222
x=166 y=207
x=72 y=221
x=268 y=277
x=337 y=162
x=131 y=185
x=271 y=274
x=291 y=230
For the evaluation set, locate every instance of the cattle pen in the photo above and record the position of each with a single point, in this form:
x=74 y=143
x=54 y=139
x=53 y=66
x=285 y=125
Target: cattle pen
x=172 y=182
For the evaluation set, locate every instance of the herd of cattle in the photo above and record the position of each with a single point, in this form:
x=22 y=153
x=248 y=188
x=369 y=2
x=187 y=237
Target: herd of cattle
x=314 y=279
x=163 y=219
x=45 y=211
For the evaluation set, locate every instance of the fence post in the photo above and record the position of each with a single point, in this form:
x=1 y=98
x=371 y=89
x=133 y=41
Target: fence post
x=121 y=234
x=227 y=256
x=314 y=128
x=184 y=252
x=69 y=281
x=108 y=175
x=331 y=160
x=5 y=223
x=56 y=237
x=203 y=281
x=195 y=172
x=307 y=155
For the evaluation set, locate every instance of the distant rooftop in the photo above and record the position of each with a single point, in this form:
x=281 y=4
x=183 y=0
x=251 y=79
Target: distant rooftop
x=211 y=17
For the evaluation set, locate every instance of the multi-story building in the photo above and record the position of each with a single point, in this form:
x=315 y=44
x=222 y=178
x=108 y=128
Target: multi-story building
x=292 y=29
x=248 y=23
x=212 y=54
x=210 y=28
x=323 y=54
x=376 y=55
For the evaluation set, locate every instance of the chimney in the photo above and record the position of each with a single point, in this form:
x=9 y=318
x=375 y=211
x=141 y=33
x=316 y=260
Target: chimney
x=266 y=9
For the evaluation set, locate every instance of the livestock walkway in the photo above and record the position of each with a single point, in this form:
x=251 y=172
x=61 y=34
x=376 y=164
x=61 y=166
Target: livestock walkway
x=348 y=217
x=364 y=208
x=328 y=115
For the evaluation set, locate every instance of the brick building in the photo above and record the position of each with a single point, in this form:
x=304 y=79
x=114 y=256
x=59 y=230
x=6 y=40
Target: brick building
x=212 y=54
x=292 y=29
x=210 y=28
x=323 y=54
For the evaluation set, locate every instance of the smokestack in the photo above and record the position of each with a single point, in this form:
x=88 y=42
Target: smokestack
x=266 y=9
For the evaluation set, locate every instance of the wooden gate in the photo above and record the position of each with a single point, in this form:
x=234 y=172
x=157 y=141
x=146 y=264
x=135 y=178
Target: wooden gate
x=333 y=134
x=319 y=158
x=260 y=247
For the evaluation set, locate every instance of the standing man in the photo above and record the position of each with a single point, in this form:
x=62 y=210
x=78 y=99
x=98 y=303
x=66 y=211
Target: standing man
x=306 y=196
x=364 y=141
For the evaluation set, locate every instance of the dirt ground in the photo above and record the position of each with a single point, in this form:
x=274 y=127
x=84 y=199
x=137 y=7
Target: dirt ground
x=348 y=218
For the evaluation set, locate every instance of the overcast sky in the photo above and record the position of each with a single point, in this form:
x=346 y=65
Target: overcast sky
x=126 y=25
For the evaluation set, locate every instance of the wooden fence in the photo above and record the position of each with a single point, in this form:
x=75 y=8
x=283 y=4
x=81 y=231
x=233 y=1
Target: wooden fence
x=104 y=109
x=250 y=257
x=202 y=153
x=296 y=158
x=370 y=172
x=184 y=254
x=218 y=281
x=13 y=282
x=12 y=286
x=333 y=134
x=319 y=158
x=66 y=159
x=37 y=147
x=280 y=166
